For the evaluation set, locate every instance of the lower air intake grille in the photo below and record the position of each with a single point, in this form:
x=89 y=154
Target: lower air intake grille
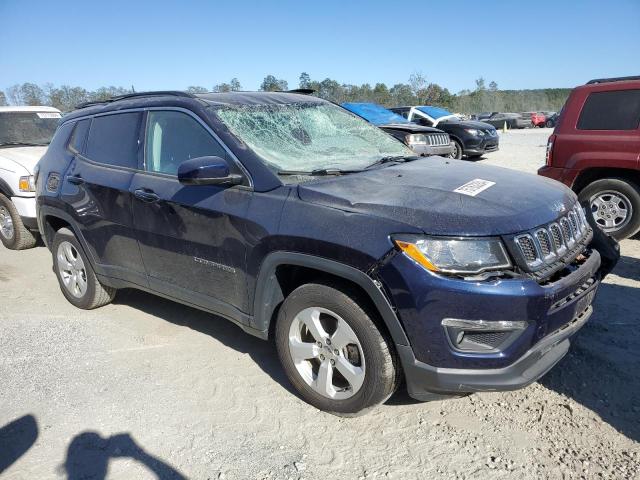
x=488 y=339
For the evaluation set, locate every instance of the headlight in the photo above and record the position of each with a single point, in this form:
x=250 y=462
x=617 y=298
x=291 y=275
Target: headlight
x=416 y=139
x=455 y=255
x=27 y=184
x=475 y=132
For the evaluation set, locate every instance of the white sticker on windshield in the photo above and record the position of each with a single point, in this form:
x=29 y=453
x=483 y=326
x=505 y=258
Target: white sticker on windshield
x=474 y=187
x=48 y=115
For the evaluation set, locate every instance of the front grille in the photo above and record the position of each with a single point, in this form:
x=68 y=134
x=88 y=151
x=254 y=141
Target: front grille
x=437 y=139
x=545 y=248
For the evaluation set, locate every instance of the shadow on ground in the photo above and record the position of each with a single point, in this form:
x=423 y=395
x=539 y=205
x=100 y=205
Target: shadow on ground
x=89 y=454
x=263 y=353
x=16 y=438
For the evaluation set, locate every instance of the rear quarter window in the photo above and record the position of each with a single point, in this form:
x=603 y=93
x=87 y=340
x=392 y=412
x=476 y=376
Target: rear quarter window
x=113 y=139
x=616 y=110
x=79 y=136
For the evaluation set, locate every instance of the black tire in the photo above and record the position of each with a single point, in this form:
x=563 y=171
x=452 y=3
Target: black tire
x=624 y=188
x=549 y=124
x=96 y=295
x=20 y=237
x=458 y=151
x=382 y=372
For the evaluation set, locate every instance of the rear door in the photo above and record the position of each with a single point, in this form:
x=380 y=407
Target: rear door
x=108 y=151
x=192 y=237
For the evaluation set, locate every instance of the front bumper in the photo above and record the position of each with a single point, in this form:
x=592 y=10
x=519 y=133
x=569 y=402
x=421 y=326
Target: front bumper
x=432 y=364
x=26 y=207
x=428 y=150
x=481 y=145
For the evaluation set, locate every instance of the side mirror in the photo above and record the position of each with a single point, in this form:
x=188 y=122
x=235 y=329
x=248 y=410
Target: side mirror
x=207 y=171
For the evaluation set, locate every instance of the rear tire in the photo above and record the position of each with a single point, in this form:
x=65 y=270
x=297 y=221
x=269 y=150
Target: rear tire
x=13 y=234
x=324 y=330
x=615 y=206
x=78 y=281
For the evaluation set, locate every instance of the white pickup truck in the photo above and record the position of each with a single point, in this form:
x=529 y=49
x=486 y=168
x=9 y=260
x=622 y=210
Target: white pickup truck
x=25 y=133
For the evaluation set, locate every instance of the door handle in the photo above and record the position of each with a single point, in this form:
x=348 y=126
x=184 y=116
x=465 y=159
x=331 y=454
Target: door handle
x=75 y=179
x=146 y=195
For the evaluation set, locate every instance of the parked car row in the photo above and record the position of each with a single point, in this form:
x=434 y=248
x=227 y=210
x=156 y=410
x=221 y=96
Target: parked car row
x=303 y=223
x=518 y=120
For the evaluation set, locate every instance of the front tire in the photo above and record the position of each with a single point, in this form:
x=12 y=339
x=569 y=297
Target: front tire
x=457 y=150
x=332 y=351
x=549 y=124
x=615 y=206
x=13 y=234
x=76 y=277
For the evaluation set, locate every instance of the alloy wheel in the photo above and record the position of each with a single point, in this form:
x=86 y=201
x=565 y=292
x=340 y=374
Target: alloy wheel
x=72 y=269
x=6 y=223
x=326 y=353
x=611 y=210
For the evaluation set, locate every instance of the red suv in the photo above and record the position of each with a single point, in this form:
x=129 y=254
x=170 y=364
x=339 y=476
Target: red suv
x=595 y=150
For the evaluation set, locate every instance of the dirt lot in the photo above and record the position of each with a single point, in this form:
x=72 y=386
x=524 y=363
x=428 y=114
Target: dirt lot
x=146 y=386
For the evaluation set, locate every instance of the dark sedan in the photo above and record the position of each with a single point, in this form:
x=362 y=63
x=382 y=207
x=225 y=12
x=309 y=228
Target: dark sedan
x=470 y=138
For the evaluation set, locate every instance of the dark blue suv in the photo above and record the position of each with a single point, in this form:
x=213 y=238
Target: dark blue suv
x=301 y=222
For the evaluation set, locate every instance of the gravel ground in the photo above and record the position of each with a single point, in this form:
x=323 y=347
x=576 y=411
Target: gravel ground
x=145 y=387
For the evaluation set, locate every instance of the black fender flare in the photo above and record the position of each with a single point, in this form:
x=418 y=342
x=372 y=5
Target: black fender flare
x=47 y=211
x=268 y=293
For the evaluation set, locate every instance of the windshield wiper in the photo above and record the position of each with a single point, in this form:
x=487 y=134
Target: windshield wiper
x=393 y=159
x=319 y=172
x=22 y=144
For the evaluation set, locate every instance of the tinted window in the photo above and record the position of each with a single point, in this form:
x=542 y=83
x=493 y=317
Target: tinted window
x=113 y=139
x=79 y=135
x=619 y=110
x=173 y=137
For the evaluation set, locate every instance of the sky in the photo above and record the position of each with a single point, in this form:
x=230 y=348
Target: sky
x=156 y=45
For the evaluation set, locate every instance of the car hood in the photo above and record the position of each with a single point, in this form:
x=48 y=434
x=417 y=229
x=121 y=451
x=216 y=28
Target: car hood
x=410 y=127
x=467 y=124
x=26 y=157
x=421 y=194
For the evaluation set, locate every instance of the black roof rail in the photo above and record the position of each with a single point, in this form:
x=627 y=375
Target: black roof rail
x=175 y=93
x=614 y=79
x=302 y=91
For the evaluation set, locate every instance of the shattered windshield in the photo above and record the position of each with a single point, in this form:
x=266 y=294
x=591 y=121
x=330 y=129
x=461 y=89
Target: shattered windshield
x=309 y=136
x=27 y=128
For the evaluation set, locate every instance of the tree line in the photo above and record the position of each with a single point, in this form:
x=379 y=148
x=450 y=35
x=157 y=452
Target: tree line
x=417 y=91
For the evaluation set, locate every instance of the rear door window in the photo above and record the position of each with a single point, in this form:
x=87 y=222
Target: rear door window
x=113 y=139
x=173 y=137
x=616 y=110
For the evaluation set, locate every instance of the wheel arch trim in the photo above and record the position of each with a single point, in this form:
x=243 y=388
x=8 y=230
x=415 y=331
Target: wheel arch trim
x=269 y=295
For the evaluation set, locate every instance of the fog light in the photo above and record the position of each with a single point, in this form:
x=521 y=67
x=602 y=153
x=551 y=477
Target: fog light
x=482 y=336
